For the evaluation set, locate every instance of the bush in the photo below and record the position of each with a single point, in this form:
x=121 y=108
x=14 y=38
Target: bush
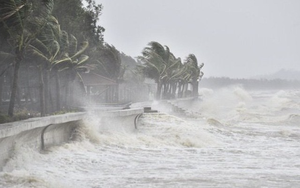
x=20 y=114
x=5 y=118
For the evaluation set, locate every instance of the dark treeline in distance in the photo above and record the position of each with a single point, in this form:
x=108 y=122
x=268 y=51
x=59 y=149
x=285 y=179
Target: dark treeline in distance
x=250 y=84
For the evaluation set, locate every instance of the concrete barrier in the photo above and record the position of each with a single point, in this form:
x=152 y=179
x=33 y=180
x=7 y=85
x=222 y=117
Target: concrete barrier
x=41 y=133
x=182 y=106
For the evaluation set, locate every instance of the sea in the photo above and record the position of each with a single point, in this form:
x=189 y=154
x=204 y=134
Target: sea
x=229 y=138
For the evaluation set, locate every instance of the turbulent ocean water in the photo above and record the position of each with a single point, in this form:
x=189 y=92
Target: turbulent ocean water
x=232 y=138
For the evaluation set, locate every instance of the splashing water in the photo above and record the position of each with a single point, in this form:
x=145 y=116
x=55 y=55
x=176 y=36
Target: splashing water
x=238 y=139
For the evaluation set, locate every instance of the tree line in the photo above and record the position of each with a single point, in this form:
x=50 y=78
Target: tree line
x=46 y=44
x=250 y=84
x=169 y=72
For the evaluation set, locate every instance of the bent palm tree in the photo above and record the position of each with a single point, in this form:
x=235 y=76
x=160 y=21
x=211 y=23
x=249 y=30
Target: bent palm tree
x=72 y=62
x=156 y=59
x=194 y=72
x=47 y=48
x=109 y=64
x=161 y=65
x=22 y=20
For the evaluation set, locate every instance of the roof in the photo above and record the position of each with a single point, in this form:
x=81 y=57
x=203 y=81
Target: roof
x=93 y=79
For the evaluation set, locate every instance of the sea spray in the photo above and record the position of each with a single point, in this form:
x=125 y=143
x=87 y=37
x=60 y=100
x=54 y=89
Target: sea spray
x=154 y=130
x=18 y=172
x=281 y=101
x=225 y=104
x=245 y=145
x=166 y=130
x=88 y=129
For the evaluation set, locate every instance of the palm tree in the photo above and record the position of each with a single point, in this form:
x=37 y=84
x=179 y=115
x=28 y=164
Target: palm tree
x=175 y=77
x=22 y=20
x=5 y=64
x=156 y=61
x=172 y=73
x=183 y=80
x=194 y=72
x=162 y=66
x=108 y=62
x=47 y=48
x=72 y=62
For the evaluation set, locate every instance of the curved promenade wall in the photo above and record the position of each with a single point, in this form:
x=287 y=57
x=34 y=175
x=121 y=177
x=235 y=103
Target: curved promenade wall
x=40 y=133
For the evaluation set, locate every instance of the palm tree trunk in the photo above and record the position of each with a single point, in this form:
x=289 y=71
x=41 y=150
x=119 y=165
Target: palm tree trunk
x=158 y=90
x=165 y=93
x=66 y=100
x=18 y=96
x=27 y=88
x=42 y=93
x=173 y=89
x=195 y=88
x=57 y=85
x=46 y=91
x=14 y=87
x=180 y=89
x=184 y=89
x=117 y=92
x=1 y=88
x=66 y=91
x=50 y=89
x=28 y=93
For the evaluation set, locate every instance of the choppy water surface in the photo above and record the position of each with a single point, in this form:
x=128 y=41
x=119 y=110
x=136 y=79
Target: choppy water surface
x=233 y=139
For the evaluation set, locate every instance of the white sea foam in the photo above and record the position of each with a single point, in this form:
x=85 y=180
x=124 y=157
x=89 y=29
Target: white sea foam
x=238 y=139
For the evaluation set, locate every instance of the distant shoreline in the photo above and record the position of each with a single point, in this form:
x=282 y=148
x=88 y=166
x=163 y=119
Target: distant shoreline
x=250 y=84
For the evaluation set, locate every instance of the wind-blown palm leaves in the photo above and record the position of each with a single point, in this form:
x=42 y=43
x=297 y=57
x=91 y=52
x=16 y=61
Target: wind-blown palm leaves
x=72 y=62
x=29 y=33
x=159 y=64
x=47 y=48
x=73 y=59
x=47 y=44
x=193 y=72
x=56 y=51
x=22 y=20
x=168 y=71
x=109 y=63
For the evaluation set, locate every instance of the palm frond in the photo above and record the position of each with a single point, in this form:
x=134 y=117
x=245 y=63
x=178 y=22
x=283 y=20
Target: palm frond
x=83 y=59
x=83 y=47
x=60 y=61
x=11 y=12
x=37 y=52
x=5 y=56
x=55 y=50
x=72 y=44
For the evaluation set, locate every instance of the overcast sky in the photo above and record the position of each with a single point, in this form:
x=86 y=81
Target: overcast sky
x=234 y=38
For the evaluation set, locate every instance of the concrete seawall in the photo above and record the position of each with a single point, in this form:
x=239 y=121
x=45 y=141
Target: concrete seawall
x=182 y=106
x=41 y=133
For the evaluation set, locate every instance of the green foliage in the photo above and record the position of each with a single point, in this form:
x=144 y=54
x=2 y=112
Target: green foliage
x=79 y=21
x=21 y=22
x=4 y=118
x=108 y=62
x=20 y=114
x=66 y=111
x=28 y=31
x=160 y=64
x=193 y=71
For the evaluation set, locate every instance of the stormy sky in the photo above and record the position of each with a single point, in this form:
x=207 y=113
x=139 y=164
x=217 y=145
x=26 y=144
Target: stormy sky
x=233 y=38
